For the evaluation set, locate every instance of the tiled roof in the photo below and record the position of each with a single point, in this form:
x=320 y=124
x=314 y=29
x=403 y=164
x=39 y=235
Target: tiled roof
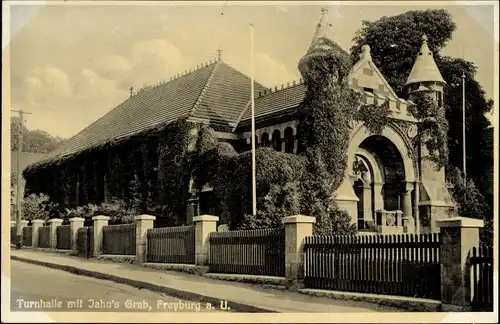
x=215 y=91
x=425 y=68
x=228 y=96
x=277 y=101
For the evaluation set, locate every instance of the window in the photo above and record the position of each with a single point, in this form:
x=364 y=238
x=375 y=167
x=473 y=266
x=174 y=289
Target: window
x=265 y=140
x=277 y=140
x=289 y=140
x=370 y=90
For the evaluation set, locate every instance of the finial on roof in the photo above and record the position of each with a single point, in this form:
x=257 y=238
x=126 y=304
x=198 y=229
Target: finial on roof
x=324 y=11
x=219 y=54
x=131 y=91
x=366 y=53
x=425 y=69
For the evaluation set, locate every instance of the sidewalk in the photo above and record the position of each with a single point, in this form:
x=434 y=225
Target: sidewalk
x=240 y=297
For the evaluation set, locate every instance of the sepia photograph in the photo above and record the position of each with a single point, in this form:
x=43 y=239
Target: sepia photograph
x=232 y=161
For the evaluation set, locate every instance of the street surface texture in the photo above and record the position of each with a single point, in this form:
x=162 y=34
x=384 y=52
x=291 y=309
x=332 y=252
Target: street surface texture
x=63 y=291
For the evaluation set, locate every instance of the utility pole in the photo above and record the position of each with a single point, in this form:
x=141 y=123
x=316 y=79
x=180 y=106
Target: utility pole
x=18 y=173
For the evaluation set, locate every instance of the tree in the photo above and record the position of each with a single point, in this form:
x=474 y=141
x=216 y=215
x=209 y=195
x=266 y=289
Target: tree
x=395 y=42
x=34 y=141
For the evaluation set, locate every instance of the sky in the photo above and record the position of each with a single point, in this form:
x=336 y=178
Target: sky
x=71 y=64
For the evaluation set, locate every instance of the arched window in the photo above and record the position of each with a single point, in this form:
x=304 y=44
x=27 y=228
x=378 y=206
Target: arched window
x=289 y=140
x=277 y=140
x=265 y=140
x=300 y=147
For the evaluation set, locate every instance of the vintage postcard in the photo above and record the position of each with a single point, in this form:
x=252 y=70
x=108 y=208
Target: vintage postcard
x=230 y=161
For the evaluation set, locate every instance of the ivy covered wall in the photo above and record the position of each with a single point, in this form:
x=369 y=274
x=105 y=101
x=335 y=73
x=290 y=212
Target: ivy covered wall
x=151 y=170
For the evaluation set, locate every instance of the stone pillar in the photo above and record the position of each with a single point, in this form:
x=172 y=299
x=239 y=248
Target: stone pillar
x=204 y=225
x=378 y=197
x=296 y=229
x=24 y=223
x=367 y=206
x=458 y=236
x=408 y=220
x=36 y=224
x=142 y=224
x=74 y=224
x=99 y=222
x=54 y=222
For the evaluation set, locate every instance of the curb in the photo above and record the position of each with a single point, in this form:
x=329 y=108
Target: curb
x=185 y=295
x=407 y=303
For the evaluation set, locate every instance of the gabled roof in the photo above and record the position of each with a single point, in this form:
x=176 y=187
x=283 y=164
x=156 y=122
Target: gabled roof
x=214 y=91
x=425 y=68
x=366 y=60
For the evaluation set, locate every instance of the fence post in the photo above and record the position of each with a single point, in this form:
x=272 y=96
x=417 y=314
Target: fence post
x=142 y=224
x=54 y=222
x=36 y=224
x=74 y=224
x=458 y=236
x=296 y=229
x=204 y=225
x=99 y=222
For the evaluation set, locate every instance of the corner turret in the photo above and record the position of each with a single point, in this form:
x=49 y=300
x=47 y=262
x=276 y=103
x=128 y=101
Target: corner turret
x=425 y=75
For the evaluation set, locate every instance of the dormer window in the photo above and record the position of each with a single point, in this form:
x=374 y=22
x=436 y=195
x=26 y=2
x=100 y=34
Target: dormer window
x=370 y=90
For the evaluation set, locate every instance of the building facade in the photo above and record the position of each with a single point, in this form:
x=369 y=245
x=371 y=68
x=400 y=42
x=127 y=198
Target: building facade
x=388 y=180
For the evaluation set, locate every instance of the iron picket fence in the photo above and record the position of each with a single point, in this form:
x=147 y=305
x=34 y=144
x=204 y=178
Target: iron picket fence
x=481 y=263
x=44 y=236
x=13 y=234
x=253 y=252
x=63 y=234
x=27 y=236
x=171 y=245
x=404 y=265
x=118 y=239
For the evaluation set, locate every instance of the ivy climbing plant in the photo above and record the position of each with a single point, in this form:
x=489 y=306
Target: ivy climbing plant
x=433 y=127
x=374 y=116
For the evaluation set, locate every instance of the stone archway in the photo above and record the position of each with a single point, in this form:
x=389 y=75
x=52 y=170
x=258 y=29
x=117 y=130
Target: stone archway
x=381 y=173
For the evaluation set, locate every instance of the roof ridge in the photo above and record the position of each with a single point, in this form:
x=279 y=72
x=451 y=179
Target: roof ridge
x=205 y=88
x=260 y=95
x=295 y=83
x=174 y=77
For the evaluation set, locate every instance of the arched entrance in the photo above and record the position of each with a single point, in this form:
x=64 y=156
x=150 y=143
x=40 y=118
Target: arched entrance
x=379 y=178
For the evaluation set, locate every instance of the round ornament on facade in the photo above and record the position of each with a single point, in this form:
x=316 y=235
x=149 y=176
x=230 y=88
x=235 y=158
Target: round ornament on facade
x=412 y=131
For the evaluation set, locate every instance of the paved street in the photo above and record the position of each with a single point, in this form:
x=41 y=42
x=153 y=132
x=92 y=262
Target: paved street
x=60 y=290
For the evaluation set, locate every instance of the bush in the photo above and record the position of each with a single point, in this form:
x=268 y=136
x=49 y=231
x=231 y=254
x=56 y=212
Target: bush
x=471 y=203
x=36 y=206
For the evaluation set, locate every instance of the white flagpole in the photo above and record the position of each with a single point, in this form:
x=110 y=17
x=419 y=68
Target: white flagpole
x=254 y=182
x=463 y=127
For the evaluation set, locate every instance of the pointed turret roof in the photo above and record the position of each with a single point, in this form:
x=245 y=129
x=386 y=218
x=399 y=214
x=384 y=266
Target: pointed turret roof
x=322 y=42
x=425 y=68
